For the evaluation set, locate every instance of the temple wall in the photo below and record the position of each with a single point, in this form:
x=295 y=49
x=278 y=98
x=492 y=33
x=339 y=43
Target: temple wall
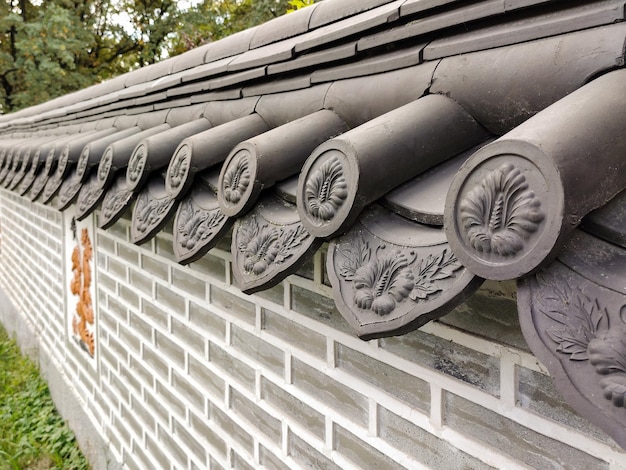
x=189 y=372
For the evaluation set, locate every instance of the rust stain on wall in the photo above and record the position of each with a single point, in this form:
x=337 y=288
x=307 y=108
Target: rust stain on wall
x=80 y=286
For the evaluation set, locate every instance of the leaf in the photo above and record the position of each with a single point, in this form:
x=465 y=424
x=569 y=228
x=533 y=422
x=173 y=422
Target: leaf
x=354 y=255
x=432 y=269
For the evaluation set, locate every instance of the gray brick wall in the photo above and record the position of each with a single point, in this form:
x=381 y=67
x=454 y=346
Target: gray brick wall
x=191 y=373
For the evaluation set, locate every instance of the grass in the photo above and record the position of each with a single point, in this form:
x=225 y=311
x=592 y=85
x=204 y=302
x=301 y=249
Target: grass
x=33 y=435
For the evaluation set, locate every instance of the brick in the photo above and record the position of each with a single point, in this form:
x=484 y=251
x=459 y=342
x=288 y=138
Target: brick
x=119 y=388
x=342 y=399
x=241 y=463
x=459 y=362
x=265 y=424
x=101 y=261
x=173 y=404
x=170 y=350
x=210 y=265
x=414 y=391
x=361 y=453
x=118 y=432
x=185 y=435
x=275 y=294
x=155 y=448
x=232 y=429
x=141 y=282
x=269 y=460
x=164 y=247
x=105 y=243
x=117 y=269
x=155 y=405
x=490 y=312
x=240 y=372
x=156 y=315
x=306 y=270
x=118 y=348
x=538 y=394
x=421 y=445
x=108 y=320
x=294 y=333
x=521 y=443
x=193 y=396
x=106 y=281
x=129 y=338
x=214 y=464
x=308 y=457
x=173 y=448
x=268 y=356
x=192 y=340
x=184 y=279
x=299 y=411
x=129 y=419
x=205 y=431
x=128 y=253
x=140 y=327
x=156 y=363
x=130 y=378
x=116 y=308
x=146 y=417
x=154 y=266
x=129 y=295
x=118 y=230
x=231 y=303
x=318 y=307
x=170 y=300
x=204 y=320
x=210 y=382
x=140 y=372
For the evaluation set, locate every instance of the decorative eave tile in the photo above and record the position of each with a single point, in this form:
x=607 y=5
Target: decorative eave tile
x=269 y=243
x=391 y=275
x=199 y=222
x=573 y=317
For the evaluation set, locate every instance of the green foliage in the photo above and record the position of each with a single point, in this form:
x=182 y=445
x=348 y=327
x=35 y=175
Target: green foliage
x=53 y=47
x=32 y=434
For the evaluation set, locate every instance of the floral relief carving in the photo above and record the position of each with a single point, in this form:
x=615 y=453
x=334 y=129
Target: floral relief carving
x=137 y=163
x=114 y=201
x=381 y=281
x=196 y=225
x=180 y=167
x=82 y=322
x=326 y=189
x=236 y=179
x=88 y=196
x=105 y=165
x=582 y=330
x=263 y=246
x=500 y=212
x=149 y=211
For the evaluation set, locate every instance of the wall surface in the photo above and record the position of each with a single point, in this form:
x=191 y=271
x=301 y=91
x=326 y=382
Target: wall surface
x=188 y=372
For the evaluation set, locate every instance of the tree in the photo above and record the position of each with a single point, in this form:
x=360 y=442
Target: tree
x=55 y=47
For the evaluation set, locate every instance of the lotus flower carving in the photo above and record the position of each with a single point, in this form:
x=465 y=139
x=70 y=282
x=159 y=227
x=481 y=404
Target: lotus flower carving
x=500 y=212
x=236 y=179
x=326 y=190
